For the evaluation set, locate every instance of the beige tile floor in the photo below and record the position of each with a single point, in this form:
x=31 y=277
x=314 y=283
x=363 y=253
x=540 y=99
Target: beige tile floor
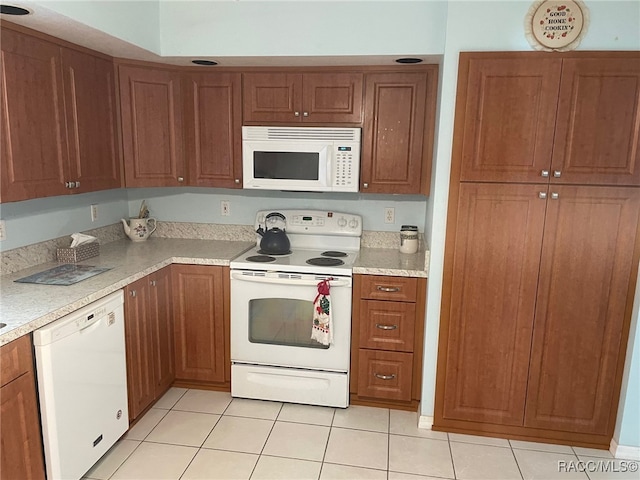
x=197 y=434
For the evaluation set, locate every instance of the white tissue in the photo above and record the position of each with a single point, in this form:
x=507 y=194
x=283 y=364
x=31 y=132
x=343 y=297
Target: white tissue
x=80 y=239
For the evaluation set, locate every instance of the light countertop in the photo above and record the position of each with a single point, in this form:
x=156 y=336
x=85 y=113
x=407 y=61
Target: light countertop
x=26 y=307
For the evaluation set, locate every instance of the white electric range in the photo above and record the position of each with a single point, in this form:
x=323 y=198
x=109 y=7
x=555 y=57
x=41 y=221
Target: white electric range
x=273 y=354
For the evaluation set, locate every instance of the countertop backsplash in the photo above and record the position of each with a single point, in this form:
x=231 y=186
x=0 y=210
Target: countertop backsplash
x=42 y=252
x=24 y=257
x=205 y=231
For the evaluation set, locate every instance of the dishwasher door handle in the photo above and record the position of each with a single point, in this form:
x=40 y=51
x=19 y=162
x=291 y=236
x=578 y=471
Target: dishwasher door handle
x=86 y=327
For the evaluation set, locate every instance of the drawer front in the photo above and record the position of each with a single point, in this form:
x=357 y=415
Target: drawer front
x=385 y=375
x=401 y=289
x=387 y=325
x=15 y=359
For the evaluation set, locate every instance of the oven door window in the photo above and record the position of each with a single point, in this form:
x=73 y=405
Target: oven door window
x=282 y=321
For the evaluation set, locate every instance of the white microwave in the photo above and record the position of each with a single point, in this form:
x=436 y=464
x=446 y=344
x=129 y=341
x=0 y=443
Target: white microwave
x=308 y=159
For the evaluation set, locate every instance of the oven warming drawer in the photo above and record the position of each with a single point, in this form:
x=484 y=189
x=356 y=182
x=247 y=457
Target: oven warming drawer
x=312 y=387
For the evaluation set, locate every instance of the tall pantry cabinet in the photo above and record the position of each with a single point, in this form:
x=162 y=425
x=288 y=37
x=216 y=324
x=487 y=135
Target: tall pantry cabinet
x=542 y=245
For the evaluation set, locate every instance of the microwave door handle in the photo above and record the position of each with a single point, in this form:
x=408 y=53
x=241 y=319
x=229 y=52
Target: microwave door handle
x=286 y=281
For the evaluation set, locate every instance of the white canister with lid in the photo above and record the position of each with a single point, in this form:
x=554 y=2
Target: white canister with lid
x=408 y=239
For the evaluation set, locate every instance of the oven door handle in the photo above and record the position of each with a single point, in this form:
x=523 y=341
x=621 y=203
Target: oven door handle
x=286 y=281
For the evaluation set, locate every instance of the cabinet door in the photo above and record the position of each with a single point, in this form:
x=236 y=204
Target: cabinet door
x=489 y=303
x=161 y=313
x=272 y=97
x=597 y=137
x=151 y=110
x=213 y=129
x=509 y=111
x=332 y=97
x=199 y=323
x=585 y=272
x=34 y=147
x=394 y=130
x=90 y=105
x=21 y=442
x=139 y=339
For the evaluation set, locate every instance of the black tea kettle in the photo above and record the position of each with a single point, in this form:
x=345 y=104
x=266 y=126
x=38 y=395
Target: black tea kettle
x=274 y=240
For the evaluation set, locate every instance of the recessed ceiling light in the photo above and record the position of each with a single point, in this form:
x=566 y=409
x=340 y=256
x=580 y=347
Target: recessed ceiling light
x=12 y=10
x=204 y=62
x=408 y=60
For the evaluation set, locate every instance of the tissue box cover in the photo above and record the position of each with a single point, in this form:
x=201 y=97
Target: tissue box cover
x=79 y=253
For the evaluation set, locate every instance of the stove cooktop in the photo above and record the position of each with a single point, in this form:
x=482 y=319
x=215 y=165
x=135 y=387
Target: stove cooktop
x=322 y=242
x=297 y=261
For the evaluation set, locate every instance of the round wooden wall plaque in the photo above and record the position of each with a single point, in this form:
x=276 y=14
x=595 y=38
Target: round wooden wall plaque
x=553 y=25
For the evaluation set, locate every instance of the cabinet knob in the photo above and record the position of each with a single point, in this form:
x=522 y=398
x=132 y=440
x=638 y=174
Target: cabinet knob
x=555 y=196
x=297 y=114
x=557 y=173
x=181 y=179
x=544 y=173
x=305 y=114
x=132 y=293
x=67 y=184
x=237 y=180
x=365 y=185
x=153 y=283
x=384 y=377
x=381 y=326
x=542 y=195
x=77 y=185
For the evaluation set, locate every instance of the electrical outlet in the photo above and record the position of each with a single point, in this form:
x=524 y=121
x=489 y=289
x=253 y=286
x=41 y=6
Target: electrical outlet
x=389 y=215
x=94 y=213
x=225 y=208
x=3 y=232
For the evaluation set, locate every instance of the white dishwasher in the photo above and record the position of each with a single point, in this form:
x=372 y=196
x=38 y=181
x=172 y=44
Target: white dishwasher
x=82 y=386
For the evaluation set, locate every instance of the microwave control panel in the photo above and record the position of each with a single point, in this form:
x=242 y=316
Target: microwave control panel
x=347 y=167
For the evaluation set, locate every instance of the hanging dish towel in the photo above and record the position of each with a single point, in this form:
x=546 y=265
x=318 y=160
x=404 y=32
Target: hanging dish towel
x=322 y=330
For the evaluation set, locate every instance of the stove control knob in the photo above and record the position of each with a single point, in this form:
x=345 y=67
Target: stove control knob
x=342 y=222
x=353 y=223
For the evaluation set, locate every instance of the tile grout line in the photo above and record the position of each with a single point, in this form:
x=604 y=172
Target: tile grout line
x=516 y=460
x=453 y=464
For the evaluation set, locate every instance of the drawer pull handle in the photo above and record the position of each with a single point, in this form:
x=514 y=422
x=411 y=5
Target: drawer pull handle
x=382 y=326
x=385 y=377
x=388 y=289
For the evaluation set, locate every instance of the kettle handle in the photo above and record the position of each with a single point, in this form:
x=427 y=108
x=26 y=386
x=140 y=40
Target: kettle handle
x=276 y=214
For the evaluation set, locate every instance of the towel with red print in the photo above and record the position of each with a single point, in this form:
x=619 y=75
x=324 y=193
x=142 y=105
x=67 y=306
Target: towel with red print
x=322 y=331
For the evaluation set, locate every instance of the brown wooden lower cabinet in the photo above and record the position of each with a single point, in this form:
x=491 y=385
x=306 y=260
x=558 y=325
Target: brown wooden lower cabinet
x=536 y=309
x=149 y=340
x=21 y=454
x=201 y=325
x=386 y=341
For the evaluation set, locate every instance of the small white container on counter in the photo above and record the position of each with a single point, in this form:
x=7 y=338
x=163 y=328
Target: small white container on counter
x=408 y=239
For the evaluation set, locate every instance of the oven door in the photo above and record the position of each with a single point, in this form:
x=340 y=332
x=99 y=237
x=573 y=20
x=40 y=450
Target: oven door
x=272 y=315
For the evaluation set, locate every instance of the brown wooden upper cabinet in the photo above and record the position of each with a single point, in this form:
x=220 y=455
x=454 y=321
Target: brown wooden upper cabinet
x=397 y=138
x=152 y=134
x=213 y=129
x=283 y=97
x=59 y=120
x=90 y=99
x=547 y=119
